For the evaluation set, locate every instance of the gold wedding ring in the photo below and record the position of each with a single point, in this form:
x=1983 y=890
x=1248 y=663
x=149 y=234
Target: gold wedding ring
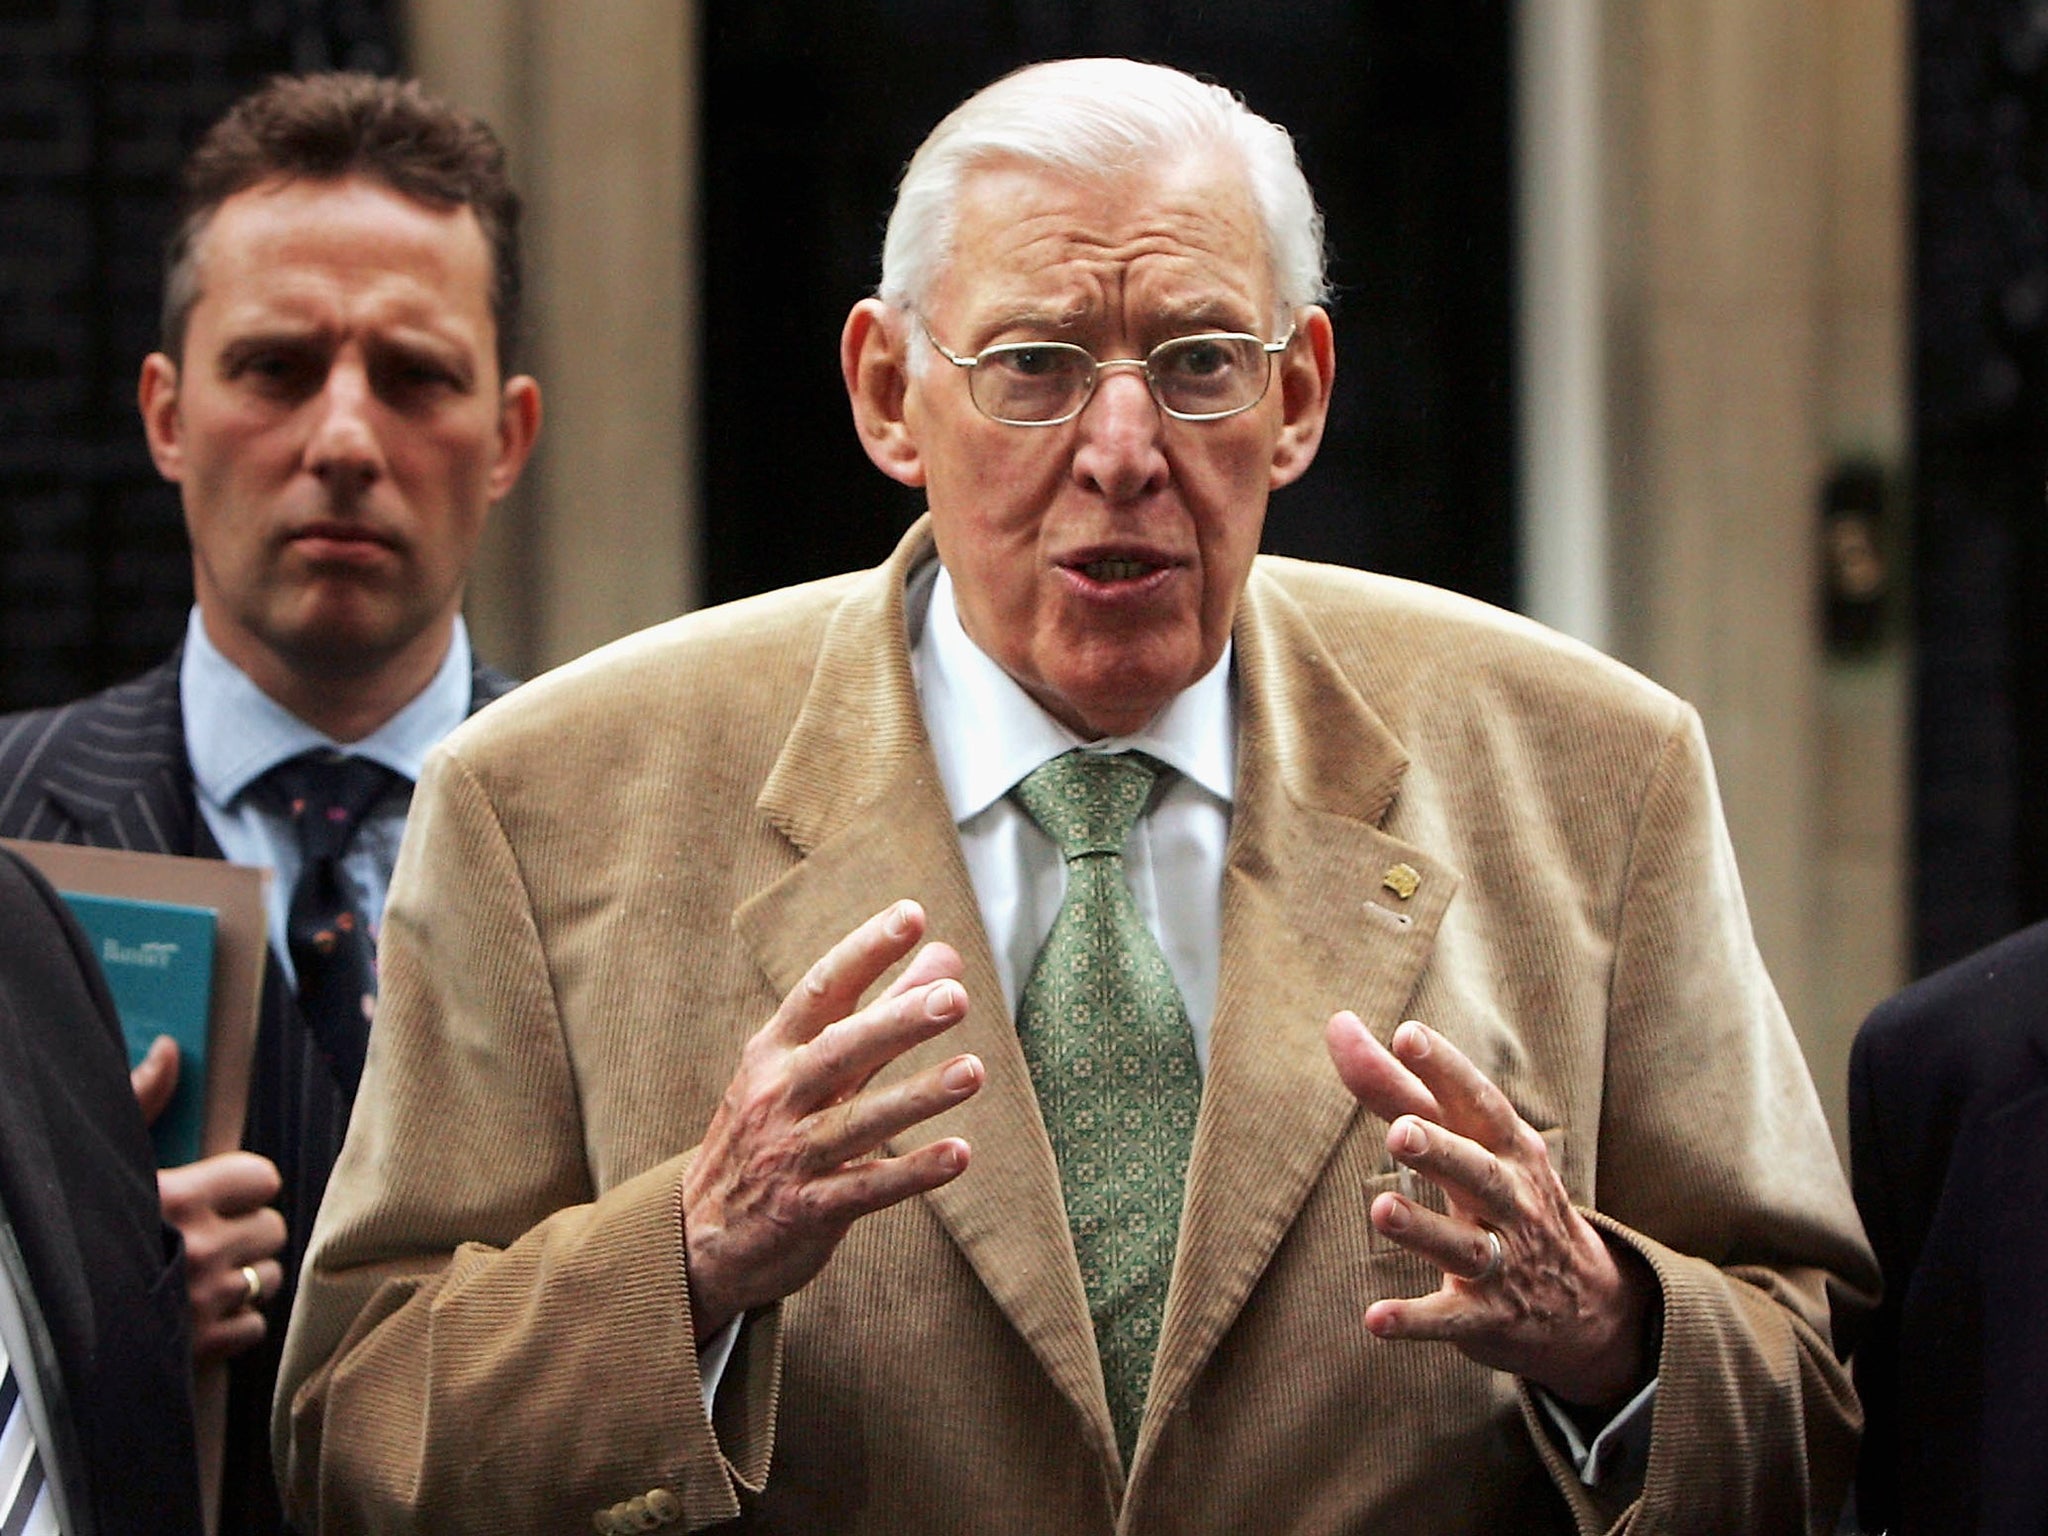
x=255 y=1283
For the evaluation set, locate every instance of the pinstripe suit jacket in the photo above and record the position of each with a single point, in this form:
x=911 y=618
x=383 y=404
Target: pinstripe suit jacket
x=111 y=771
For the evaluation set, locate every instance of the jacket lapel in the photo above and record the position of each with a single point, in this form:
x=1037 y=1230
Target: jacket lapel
x=123 y=782
x=857 y=793
x=1314 y=920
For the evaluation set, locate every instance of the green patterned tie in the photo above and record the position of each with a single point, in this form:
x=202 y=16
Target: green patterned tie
x=1106 y=1036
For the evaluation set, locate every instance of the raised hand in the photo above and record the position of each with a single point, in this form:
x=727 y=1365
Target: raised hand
x=784 y=1171
x=1530 y=1286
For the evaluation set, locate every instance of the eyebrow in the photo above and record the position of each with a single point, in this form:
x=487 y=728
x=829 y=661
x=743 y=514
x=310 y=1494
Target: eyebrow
x=296 y=338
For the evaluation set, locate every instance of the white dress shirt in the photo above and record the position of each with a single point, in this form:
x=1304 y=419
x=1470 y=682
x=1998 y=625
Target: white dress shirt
x=988 y=733
x=235 y=733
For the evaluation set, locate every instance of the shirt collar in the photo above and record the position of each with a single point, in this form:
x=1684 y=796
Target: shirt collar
x=235 y=732
x=987 y=732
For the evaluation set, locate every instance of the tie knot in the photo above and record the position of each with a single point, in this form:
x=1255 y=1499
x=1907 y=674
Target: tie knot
x=326 y=794
x=1087 y=801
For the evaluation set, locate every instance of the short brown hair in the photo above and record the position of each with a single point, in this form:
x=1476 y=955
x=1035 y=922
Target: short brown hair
x=326 y=126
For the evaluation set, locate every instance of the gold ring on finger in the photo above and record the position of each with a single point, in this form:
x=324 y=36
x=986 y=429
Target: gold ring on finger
x=254 y=1282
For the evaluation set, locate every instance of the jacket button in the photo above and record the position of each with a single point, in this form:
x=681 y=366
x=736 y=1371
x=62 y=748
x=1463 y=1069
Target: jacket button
x=666 y=1505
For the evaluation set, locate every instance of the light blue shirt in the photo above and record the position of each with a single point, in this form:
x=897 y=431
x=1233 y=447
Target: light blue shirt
x=235 y=733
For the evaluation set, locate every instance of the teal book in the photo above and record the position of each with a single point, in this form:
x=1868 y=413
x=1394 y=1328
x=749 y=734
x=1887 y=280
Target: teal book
x=159 y=964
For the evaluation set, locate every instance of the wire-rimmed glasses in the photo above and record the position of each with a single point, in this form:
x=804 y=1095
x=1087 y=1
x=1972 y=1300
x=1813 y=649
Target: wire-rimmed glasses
x=1204 y=377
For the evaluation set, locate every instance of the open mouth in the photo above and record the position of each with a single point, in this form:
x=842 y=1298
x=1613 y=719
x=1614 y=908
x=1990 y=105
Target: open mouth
x=1116 y=569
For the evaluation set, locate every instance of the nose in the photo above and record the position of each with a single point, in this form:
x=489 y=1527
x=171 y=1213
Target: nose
x=1119 y=453
x=343 y=450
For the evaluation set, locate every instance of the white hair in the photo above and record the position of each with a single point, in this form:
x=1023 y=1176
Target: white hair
x=1099 y=118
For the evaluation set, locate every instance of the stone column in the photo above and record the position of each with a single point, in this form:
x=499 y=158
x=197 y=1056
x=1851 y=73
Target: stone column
x=598 y=104
x=1754 y=248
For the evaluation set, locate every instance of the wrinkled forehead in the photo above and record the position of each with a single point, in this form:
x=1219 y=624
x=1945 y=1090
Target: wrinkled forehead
x=1182 y=232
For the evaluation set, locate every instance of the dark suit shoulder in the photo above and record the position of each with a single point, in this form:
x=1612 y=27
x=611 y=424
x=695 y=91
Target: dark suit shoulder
x=1975 y=1030
x=109 y=768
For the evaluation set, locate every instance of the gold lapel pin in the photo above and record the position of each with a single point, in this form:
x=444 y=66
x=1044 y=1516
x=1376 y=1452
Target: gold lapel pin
x=1401 y=880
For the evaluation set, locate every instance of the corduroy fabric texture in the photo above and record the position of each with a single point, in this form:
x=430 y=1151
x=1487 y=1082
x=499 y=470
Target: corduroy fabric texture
x=613 y=878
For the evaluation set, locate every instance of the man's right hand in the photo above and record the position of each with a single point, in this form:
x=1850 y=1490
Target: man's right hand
x=783 y=1171
x=221 y=1207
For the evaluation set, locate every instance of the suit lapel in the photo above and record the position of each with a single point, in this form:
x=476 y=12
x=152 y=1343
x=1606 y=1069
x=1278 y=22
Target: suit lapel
x=1311 y=924
x=122 y=779
x=856 y=791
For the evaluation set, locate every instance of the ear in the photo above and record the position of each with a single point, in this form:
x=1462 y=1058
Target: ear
x=877 y=374
x=518 y=426
x=1308 y=369
x=156 y=394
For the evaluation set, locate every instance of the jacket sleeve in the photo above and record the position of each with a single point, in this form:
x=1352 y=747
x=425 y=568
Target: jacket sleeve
x=1717 y=1168
x=478 y=1298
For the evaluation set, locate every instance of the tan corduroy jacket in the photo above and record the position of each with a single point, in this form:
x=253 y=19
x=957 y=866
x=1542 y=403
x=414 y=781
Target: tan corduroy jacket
x=610 y=880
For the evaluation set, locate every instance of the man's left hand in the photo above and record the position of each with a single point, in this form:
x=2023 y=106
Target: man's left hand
x=1557 y=1306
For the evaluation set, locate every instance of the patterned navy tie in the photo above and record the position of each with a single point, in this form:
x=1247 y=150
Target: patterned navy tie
x=327 y=794
x=1112 y=1059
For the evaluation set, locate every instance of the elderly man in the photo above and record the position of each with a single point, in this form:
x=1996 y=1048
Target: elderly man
x=334 y=402
x=1131 y=1202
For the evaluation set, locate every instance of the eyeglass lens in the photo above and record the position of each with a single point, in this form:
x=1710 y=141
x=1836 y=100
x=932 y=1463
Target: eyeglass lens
x=1190 y=376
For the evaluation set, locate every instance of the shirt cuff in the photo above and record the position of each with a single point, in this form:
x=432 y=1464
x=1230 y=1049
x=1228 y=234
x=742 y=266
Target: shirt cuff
x=1622 y=1448
x=717 y=1350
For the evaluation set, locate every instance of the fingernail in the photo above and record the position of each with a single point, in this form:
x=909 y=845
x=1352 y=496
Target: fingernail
x=1411 y=1038
x=1398 y=1218
x=1412 y=1139
x=944 y=998
x=954 y=1158
x=960 y=1074
x=898 y=922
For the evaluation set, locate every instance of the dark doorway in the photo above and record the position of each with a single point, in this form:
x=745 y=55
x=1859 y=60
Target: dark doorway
x=1401 y=112
x=1980 y=427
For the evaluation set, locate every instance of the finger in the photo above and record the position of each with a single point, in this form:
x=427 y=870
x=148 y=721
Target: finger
x=840 y=1061
x=231 y=1184
x=1376 y=1078
x=863 y=1123
x=929 y=964
x=1470 y=1174
x=1457 y=1317
x=861 y=1189
x=155 y=1078
x=1472 y=1105
x=1455 y=1246
x=219 y=1288
x=832 y=987
x=222 y=1338
x=269 y=1279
